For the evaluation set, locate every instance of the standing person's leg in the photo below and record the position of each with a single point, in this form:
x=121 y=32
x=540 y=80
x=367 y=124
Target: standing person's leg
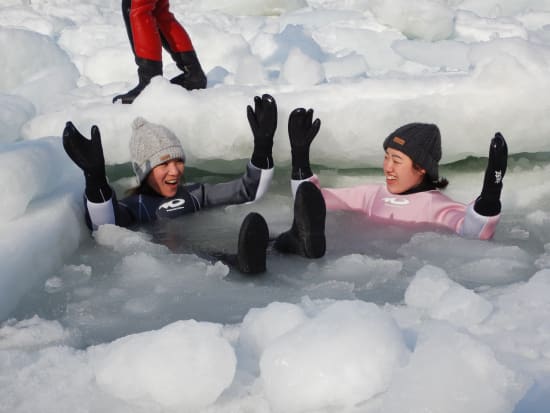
x=145 y=41
x=178 y=43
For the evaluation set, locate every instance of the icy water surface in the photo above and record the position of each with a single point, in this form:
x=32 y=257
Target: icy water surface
x=121 y=282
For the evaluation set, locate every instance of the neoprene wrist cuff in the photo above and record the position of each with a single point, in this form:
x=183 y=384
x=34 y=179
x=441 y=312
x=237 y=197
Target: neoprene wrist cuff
x=487 y=207
x=97 y=188
x=262 y=160
x=300 y=173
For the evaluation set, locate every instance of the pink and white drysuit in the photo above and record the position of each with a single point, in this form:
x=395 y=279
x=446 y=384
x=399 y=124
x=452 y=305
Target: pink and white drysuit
x=430 y=207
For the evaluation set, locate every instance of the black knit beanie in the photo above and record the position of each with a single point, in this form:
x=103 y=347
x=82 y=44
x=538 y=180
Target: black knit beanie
x=421 y=142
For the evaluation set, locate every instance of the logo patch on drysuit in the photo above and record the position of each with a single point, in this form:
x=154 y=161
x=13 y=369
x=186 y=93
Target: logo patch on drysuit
x=399 y=141
x=173 y=205
x=396 y=201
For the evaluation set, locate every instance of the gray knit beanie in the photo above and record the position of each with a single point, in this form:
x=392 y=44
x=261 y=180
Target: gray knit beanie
x=150 y=145
x=421 y=142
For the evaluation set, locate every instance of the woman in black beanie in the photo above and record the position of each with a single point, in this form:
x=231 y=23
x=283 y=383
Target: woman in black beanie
x=412 y=190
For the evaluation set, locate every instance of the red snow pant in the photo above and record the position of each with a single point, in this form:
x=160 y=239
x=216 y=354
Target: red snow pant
x=152 y=25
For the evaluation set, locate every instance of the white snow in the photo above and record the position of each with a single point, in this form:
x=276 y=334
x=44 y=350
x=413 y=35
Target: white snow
x=392 y=319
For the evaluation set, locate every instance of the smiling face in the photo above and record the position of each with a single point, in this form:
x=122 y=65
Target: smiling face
x=401 y=174
x=165 y=178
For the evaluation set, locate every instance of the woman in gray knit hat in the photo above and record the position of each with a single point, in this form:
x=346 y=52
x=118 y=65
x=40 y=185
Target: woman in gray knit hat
x=412 y=189
x=158 y=160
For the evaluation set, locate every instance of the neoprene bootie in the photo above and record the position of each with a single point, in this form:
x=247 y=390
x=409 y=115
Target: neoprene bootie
x=193 y=76
x=306 y=237
x=147 y=69
x=252 y=246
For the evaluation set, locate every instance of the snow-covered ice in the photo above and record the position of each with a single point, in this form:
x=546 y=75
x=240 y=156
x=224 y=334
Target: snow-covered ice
x=392 y=319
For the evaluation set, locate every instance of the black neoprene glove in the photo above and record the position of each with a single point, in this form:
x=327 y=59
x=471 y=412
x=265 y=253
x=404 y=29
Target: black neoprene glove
x=488 y=203
x=87 y=154
x=301 y=131
x=263 y=122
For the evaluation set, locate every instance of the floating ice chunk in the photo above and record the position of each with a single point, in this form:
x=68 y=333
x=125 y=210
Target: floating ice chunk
x=345 y=354
x=53 y=285
x=126 y=241
x=532 y=295
x=218 y=270
x=185 y=365
x=472 y=261
x=452 y=372
x=79 y=271
x=493 y=270
x=444 y=299
x=361 y=269
x=32 y=333
x=261 y=326
x=427 y=287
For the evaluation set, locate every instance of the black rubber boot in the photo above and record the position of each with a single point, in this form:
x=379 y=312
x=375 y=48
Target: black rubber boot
x=147 y=69
x=193 y=76
x=306 y=237
x=252 y=246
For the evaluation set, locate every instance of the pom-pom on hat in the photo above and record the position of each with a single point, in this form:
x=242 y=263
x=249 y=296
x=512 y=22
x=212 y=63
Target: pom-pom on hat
x=150 y=145
x=421 y=142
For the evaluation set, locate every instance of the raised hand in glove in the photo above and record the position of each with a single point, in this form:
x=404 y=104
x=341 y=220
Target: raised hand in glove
x=488 y=203
x=87 y=154
x=301 y=132
x=263 y=122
